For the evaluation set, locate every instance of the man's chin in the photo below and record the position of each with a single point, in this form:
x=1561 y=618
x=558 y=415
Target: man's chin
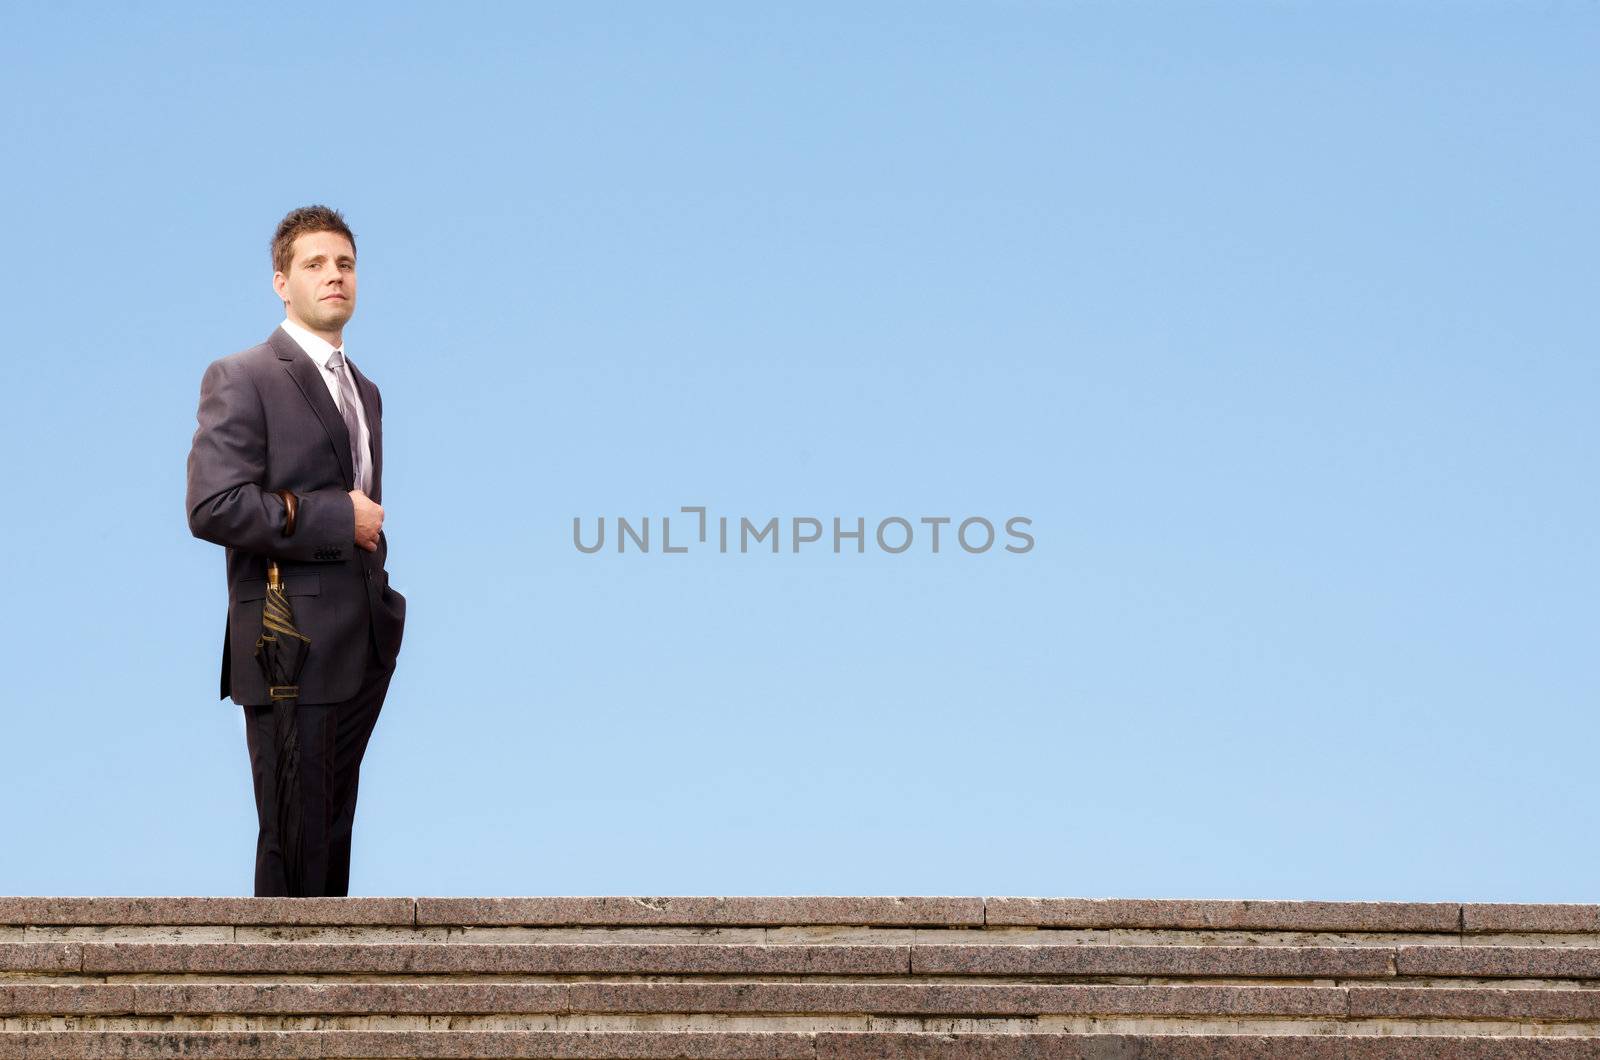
x=334 y=316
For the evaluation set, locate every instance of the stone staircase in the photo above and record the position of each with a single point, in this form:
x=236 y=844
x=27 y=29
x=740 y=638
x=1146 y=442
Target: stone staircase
x=819 y=978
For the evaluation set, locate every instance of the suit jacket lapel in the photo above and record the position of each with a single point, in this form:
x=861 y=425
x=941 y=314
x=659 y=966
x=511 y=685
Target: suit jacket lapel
x=303 y=370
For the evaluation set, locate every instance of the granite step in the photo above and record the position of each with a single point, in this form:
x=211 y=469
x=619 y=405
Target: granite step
x=769 y=998
x=806 y=977
x=368 y=1045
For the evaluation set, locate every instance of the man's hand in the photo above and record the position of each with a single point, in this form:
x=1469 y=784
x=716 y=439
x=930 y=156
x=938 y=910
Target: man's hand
x=369 y=520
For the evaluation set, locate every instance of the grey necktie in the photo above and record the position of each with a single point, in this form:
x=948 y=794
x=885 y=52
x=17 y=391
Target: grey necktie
x=352 y=423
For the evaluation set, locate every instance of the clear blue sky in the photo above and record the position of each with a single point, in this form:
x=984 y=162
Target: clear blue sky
x=1277 y=320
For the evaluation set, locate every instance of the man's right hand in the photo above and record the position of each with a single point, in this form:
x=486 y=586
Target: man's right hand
x=369 y=520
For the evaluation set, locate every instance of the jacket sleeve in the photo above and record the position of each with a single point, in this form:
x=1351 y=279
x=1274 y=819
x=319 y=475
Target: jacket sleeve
x=226 y=501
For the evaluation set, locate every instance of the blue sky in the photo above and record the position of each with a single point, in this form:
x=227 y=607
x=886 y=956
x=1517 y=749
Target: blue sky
x=1276 y=320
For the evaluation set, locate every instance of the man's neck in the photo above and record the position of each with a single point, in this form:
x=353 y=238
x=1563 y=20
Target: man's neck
x=332 y=338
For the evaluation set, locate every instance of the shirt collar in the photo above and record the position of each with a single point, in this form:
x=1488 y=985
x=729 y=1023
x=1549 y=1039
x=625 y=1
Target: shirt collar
x=316 y=347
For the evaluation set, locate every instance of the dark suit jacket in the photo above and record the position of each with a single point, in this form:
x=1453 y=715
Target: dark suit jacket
x=267 y=422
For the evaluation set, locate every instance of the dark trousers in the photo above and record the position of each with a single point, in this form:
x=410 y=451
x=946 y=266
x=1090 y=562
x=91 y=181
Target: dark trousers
x=333 y=739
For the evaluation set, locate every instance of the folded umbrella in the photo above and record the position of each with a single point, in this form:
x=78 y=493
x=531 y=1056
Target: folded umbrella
x=281 y=653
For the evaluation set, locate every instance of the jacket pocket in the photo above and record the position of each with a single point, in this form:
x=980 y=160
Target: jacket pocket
x=293 y=584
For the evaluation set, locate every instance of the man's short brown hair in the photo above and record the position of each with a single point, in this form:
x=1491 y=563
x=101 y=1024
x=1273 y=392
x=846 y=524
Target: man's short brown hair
x=299 y=222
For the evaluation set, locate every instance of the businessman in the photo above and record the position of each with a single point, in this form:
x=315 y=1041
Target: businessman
x=294 y=414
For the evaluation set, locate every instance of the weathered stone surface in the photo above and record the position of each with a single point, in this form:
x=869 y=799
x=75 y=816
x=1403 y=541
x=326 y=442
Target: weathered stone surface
x=732 y=911
x=71 y=1045
x=956 y=999
x=1176 y=914
x=359 y=933
x=578 y=1046
x=1287 y=962
x=496 y=958
x=665 y=934
x=20 y=999
x=1198 y=914
x=1552 y=919
x=352 y=997
x=93 y=1045
x=80 y=1045
x=1394 y=1002
x=40 y=956
x=30 y=910
x=1541 y=962
x=802 y=977
x=1427 y=1047
x=767 y=998
x=888 y=1046
x=139 y=932
x=891 y=1046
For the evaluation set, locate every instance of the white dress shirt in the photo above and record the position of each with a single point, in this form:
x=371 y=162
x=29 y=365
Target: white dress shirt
x=319 y=350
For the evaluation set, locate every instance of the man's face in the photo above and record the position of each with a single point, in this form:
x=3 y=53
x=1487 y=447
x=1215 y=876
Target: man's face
x=320 y=286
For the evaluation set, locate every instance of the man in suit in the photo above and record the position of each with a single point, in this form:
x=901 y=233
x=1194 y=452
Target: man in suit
x=294 y=415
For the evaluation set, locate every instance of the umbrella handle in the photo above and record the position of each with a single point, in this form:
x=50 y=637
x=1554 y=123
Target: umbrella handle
x=290 y=507
x=290 y=504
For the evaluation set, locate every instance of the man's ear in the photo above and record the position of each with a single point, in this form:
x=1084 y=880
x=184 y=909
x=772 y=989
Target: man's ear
x=280 y=283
